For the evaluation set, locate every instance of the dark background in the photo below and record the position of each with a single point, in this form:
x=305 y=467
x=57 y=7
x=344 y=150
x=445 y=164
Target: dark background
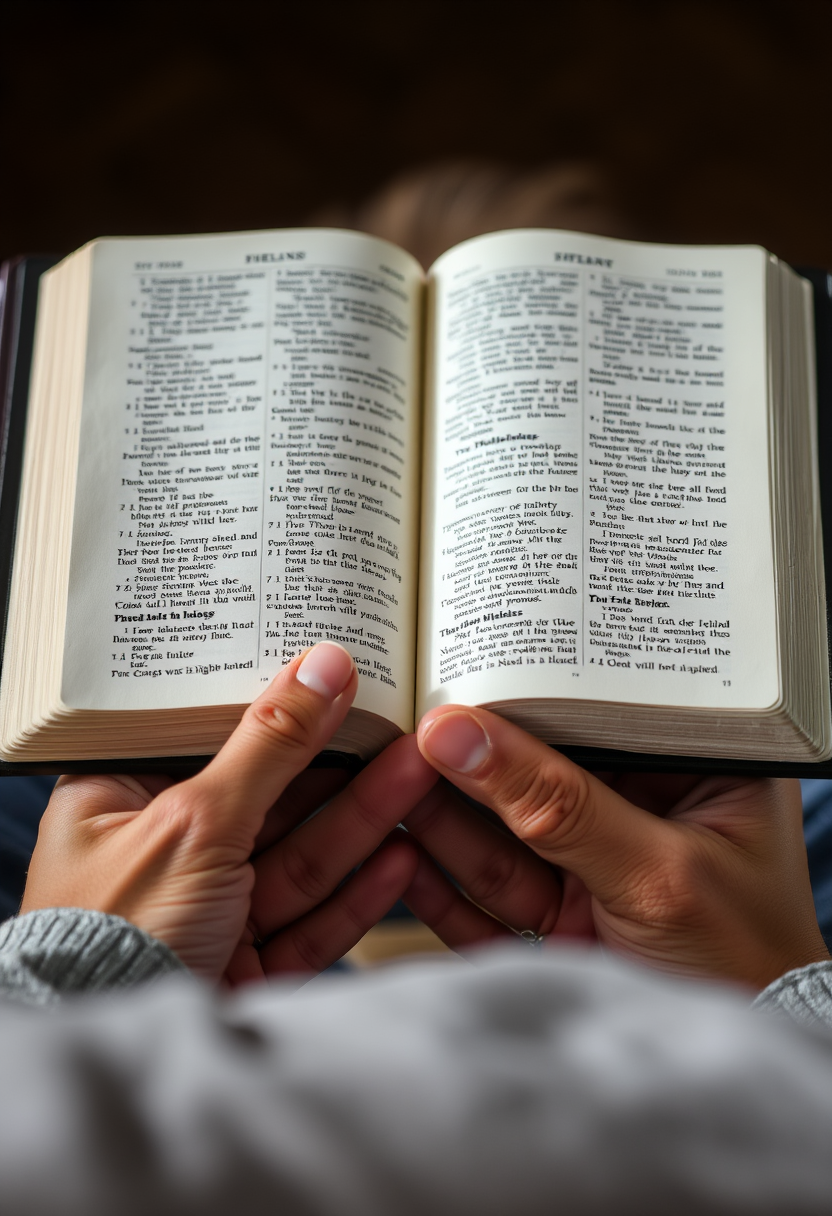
x=708 y=121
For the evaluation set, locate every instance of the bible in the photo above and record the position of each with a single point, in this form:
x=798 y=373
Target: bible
x=570 y=478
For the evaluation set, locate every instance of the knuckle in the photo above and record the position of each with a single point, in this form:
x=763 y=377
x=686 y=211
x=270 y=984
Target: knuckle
x=306 y=875
x=549 y=807
x=284 y=723
x=177 y=811
x=312 y=957
x=428 y=815
x=349 y=914
x=364 y=813
x=496 y=875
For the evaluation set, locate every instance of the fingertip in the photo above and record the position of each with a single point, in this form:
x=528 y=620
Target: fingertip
x=327 y=669
x=280 y=733
x=455 y=740
x=430 y=717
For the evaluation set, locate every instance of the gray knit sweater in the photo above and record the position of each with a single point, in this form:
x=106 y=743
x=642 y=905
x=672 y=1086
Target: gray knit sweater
x=556 y=1081
x=48 y=954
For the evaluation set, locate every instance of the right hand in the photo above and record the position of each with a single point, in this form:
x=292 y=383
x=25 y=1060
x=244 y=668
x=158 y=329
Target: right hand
x=697 y=876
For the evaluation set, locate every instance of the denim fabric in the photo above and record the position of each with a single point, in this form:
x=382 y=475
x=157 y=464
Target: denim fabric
x=817 y=828
x=22 y=802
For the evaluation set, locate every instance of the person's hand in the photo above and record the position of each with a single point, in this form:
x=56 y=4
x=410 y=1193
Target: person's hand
x=701 y=877
x=216 y=867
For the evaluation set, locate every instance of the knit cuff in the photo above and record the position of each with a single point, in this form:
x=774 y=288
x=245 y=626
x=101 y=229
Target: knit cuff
x=48 y=954
x=804 y=995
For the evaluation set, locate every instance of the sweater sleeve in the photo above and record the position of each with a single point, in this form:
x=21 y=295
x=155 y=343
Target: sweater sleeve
x=805 y=995
x=47 y=954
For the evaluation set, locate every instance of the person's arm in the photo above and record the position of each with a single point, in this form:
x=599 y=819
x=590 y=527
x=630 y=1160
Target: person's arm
x=702 y=877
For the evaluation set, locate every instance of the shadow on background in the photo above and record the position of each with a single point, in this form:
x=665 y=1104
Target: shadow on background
x=699 y=121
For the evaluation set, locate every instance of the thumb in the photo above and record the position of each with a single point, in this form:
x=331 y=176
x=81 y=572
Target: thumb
x=566 y=815
x=278 y=735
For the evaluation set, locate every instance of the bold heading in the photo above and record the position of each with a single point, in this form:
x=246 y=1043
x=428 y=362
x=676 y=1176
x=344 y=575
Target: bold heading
x=292 y=256
x=582 y=260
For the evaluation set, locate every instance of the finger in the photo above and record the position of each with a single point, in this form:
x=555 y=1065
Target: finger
x=576 y=920
x=494 y=869
x=452 y=917
x=301 y=797
x=277 y=737
x=562 y=812
x=244 y=967
x=308 y=865
x=320 y=938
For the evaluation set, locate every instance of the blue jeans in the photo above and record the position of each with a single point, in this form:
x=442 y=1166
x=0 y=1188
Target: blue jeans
x=22 y=801
x=817 y=830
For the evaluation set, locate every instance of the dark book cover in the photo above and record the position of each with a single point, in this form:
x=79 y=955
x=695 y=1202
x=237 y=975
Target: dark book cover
x=19 y=280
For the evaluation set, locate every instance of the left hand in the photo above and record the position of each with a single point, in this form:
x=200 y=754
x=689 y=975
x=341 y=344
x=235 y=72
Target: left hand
x=217 y=866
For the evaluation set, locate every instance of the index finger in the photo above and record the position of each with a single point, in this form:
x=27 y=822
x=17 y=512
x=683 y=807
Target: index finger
x=277 y=737
x=309 y=864
x=492 y=867
x=562 y=812
x=302 y=796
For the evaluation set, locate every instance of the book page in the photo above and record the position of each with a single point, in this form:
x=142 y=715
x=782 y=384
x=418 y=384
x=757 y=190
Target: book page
x=248 y=478
x=597 y=520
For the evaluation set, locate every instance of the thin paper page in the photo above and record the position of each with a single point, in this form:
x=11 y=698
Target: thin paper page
x=597 y=519
x=248 y=479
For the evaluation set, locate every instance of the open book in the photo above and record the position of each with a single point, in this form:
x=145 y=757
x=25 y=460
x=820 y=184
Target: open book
x=570 y=478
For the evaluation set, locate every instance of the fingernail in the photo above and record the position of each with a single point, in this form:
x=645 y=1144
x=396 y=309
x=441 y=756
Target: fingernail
x=456 y=741
x=327 y=670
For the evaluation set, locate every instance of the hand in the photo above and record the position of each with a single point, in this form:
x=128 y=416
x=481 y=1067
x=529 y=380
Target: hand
x=215 y=867
x=701 y=877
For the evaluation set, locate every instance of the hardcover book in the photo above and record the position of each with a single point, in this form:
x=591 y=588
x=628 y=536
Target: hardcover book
x=571 y=478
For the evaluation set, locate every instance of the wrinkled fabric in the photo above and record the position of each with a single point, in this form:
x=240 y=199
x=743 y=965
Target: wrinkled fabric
x=804 y=995
x=524 y=1082
x=53 y=952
